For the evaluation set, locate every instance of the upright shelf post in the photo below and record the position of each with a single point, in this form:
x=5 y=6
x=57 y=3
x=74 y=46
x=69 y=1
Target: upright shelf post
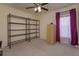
x=36 y=29
x=9 y=32
x=29 y=30
x=26 y=29
x=39 y=29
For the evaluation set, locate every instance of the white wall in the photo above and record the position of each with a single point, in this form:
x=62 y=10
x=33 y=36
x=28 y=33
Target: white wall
x=4 y=11
x=78 y=23
x=49 y=17
x=45 y=19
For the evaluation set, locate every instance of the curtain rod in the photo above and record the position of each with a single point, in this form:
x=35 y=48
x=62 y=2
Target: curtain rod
x=66 y=10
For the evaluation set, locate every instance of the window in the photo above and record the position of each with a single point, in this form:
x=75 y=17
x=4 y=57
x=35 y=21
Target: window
x=65 y=27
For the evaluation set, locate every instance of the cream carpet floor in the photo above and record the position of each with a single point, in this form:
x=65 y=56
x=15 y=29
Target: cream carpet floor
x=38 y=47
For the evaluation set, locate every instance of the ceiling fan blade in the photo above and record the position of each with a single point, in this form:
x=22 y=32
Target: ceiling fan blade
x=29 y=7
x=35 y=4
x=44 y=4
x=44 y=8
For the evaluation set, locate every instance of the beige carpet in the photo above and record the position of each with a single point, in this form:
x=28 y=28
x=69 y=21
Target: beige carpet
x=40 y=48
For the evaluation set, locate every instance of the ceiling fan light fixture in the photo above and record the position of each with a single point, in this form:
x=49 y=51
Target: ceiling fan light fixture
x=39 y=9
x=35 y=9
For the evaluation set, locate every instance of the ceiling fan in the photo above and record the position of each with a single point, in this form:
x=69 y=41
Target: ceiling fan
x=38 y=7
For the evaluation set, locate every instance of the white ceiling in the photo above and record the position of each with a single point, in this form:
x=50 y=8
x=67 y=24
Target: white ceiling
x=50 y=6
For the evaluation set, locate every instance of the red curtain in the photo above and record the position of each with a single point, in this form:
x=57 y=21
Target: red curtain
x=74 y=37
x=58 y=27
